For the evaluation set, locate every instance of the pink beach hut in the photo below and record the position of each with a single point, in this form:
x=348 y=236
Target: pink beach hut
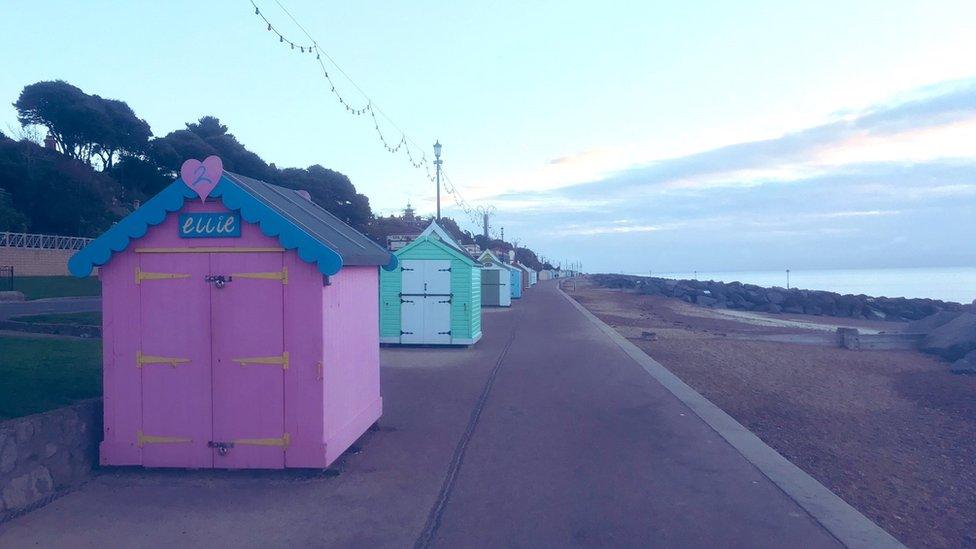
x=240 y=327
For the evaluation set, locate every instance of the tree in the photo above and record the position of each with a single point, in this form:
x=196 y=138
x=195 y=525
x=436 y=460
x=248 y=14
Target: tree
x=329 y=189
x=528 y=258
x=492 y=243
x=139 y=178
x=59 y=195
x=84 y=126
x=11 y=219
x=60 y=107
x=122 y=131
x=169 y=152
x=452 y=228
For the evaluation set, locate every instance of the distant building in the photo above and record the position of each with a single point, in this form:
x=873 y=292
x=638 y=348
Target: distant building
x=396 y=241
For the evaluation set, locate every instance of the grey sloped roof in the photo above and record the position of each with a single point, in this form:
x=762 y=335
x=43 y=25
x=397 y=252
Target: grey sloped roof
x=354 y=247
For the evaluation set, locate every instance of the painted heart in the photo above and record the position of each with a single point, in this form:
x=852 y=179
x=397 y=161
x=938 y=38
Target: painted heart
x=202 y=177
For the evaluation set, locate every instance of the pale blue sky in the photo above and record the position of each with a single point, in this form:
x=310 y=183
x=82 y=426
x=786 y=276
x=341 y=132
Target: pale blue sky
x=628 y=135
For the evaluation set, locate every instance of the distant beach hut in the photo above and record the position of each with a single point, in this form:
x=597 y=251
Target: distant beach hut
x=496 y=281
x=526 y=275
x=239 y=327
x=516 y=280
x=434 y=297
x=545 y=274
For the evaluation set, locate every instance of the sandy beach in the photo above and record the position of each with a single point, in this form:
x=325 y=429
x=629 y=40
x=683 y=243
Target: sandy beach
x=891 y=432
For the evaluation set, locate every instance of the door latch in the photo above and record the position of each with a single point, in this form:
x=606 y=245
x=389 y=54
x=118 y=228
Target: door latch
x=219 y=281
x=222 y=447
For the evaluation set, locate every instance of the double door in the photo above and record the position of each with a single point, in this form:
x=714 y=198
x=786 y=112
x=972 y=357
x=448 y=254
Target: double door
x=425 y=301
x=212 y=360
x=495 y=287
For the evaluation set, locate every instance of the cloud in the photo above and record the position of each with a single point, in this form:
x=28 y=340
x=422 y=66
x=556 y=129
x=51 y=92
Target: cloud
x=940 y=123
x=891 y=185
x=861 y=213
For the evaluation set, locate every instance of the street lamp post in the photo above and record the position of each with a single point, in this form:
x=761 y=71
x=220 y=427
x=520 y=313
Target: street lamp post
x=437 y=163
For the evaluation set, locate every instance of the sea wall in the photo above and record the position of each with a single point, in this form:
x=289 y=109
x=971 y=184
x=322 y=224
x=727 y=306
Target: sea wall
x=43 y=455
x=736 y=295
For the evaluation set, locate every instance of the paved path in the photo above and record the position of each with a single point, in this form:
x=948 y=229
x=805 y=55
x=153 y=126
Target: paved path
x=52 y=305
x=545 y=434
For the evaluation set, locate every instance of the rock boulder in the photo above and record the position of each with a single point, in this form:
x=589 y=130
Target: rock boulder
x=931 y=322
x=954 y=339
x=965 y=365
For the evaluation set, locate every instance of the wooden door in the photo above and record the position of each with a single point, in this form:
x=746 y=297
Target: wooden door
x=249 y=361
x=437 y=301
x=425 y=301
x=437 y=277
x=437 y=319
x=490 y=287
x=412 y=301
x=174 y=360
x=505 y=293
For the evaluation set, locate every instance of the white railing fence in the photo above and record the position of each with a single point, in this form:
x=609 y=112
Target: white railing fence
x=42 y=241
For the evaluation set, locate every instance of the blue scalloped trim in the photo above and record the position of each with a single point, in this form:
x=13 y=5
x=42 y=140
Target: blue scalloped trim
x=134 y=225
x=171 y=199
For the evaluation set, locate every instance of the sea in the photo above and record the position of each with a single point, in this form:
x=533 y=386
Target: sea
x=946 y=283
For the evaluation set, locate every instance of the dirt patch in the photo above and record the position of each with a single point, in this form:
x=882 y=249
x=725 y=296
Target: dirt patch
x=891 y=432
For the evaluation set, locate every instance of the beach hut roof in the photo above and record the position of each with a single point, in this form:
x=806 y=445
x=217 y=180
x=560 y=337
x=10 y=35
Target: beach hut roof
x=494 y=259
x=298 y=223
x=488 y=255
x=436 y=230
x=438 y=242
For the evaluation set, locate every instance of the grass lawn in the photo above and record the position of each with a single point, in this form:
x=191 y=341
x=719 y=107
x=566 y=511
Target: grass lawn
x=87 y=318
x=37 y=287
x=39 y=374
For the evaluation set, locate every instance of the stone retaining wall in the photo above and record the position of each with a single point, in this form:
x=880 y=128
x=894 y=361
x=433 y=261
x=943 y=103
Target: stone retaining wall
x=43 y=455
x=36 y=261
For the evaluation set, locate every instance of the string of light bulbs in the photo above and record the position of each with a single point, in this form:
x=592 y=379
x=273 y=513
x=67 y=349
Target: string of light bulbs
x=407 y=145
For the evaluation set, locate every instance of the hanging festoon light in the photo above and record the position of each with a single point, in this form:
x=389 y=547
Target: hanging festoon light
x=437 y=163
x=405 y=143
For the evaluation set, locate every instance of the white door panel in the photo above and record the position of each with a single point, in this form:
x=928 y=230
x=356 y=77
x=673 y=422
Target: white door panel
x=425 y=310
x=438 y=276
x=413 y=272
x=437 y=319
x=412 y=319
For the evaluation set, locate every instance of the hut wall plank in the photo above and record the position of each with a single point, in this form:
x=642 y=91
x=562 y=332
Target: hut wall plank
x=351 y=349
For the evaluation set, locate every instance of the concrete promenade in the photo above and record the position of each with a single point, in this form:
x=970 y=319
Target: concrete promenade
x=547 y=433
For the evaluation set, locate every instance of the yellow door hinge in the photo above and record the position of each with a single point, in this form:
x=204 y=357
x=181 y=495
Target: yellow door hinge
x=142 y=275
x=142 y=359
x=281 y=275
x=280 y=360
x=284 y=441
x=142 y=440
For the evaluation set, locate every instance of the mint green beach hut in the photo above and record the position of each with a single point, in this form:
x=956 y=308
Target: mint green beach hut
x=434 y=296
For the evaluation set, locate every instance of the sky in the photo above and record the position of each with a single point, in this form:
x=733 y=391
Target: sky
x=628 y=136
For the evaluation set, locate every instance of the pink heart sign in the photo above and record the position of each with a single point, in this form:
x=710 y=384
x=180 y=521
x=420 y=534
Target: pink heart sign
x=202 y=177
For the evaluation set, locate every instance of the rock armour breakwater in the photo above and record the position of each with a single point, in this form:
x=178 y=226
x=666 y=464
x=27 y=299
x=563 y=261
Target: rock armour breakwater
x=749 y=297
